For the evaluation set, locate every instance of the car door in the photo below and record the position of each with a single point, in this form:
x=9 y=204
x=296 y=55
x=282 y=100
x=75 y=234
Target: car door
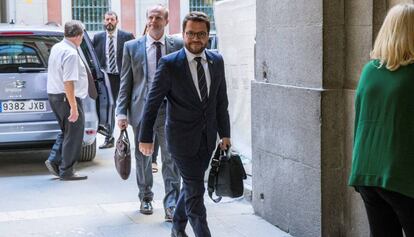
x=104 y=102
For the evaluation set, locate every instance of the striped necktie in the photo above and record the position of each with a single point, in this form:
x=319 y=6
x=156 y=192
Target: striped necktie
x=112 y=56
x=202 y=84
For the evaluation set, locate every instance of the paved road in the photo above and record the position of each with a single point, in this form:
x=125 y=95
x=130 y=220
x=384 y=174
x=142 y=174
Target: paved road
x=33 y=203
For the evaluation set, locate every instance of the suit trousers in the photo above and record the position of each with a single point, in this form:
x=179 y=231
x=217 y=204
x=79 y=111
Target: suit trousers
x=170 y=172
x=67 y=148
x=114 y=81
x=388 y=212
x=190 y=205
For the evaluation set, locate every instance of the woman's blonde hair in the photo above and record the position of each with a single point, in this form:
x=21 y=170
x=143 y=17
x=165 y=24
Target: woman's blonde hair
x=394 y=45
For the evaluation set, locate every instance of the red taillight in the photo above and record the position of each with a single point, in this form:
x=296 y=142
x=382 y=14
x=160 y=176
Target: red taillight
x=13 y=33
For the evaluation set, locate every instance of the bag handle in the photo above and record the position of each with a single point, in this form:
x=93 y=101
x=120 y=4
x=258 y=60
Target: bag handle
x=123 y=133
x=213 y=175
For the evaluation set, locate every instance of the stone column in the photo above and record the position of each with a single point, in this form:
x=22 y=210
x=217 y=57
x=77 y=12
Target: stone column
x=309 y=55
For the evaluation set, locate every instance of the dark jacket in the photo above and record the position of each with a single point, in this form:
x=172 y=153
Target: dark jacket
x=186 y=118
x=99 y=42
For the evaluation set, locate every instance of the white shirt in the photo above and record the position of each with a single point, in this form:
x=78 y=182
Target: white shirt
x=66 y=65
x=193 y=68
x=115 y=39
x=152 y=55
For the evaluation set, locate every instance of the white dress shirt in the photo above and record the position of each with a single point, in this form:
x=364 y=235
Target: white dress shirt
x=115 y=39
x=152 y=55
x=193 y=68
x=66 y=65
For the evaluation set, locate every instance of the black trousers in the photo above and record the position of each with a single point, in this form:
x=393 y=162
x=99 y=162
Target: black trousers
x=67 y=148
x=389 y=213
x=114 y=80
x=190 y=206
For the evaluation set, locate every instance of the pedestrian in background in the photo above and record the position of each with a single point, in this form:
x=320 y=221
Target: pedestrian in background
x=194 y=84
x=140 y=61
x=383 y=153
x=67 y=85
x=109 y=46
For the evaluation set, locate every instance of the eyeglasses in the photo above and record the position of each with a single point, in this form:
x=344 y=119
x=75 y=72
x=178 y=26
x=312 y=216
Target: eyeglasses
x=192 y=35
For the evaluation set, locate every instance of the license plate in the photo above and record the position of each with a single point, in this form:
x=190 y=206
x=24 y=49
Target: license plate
x=23 y=106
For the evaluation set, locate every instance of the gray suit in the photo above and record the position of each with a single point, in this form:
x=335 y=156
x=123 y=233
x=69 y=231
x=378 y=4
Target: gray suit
x=133 y=92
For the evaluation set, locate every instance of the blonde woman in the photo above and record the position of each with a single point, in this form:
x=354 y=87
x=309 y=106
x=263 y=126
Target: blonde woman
x=383 y=153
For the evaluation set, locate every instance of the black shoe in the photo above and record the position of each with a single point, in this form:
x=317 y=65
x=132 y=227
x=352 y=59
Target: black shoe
x=53 y=169
x=73 y=177
x=176 y=233
x=169 y=213
x=109 y=142
x=146 y=208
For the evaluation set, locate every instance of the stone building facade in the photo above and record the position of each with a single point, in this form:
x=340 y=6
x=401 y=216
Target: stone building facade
x=309 y=55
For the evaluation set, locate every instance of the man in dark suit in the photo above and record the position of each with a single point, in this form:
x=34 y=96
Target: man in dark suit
x=109 y=46
x=140 y=61
x=193 y=82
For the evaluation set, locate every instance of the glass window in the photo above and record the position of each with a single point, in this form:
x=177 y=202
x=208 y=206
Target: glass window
x=25 y=52
x=205 y=6
x=91 y=13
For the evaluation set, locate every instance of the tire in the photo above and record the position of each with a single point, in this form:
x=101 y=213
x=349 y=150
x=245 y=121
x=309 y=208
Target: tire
x=88 y=152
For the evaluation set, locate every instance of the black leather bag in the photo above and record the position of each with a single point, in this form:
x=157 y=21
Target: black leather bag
x=122 y=155
x=226 y=175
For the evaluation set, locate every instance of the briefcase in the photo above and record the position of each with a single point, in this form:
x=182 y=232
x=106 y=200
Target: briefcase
x=122 y=155
x=226 y=175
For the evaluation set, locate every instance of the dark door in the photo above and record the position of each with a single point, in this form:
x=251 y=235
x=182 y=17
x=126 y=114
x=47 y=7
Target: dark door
x=104 y=102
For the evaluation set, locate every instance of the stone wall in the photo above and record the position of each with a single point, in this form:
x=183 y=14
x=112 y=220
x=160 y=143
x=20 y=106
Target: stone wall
x=309 y=55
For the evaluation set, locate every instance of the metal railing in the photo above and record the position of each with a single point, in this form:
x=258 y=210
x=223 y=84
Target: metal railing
x=90 y=12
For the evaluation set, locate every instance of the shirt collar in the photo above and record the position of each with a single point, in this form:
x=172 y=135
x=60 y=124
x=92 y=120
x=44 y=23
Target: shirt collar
x=114 y=34
x=151 y=40
x=68 y=42
x=191 y=56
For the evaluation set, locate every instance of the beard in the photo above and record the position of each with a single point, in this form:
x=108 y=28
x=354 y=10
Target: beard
x=195 y=48
x=109 y=27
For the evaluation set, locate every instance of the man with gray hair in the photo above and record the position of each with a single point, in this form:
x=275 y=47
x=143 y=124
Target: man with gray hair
x=67 y=85
x=139 y=63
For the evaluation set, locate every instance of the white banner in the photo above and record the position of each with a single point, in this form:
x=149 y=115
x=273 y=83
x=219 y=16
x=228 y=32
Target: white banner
x=236 y=29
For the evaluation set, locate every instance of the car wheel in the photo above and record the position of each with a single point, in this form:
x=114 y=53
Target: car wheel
x=88 y=152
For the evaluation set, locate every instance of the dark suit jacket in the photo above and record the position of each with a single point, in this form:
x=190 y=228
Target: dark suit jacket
x=185 y=116
x=99 y=42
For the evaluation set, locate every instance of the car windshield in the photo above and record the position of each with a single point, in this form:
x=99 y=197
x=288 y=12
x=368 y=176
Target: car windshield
x=25 y=53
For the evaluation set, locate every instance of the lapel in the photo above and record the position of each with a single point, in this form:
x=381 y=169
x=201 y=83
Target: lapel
x=119 y=40
x=211 y=64
x=142 y=51
x=169 y=45
x=103 y=48
x=183 y=63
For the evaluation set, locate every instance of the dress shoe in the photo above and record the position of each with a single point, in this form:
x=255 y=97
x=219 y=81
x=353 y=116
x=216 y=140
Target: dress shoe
x=109 y=142
x=53 y=169
x=176 y=233
x=169 y=213
x=73 y=177
x=146 y=208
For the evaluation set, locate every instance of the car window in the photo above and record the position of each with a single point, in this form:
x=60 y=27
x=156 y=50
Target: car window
x=20 y=52
x=87 y=54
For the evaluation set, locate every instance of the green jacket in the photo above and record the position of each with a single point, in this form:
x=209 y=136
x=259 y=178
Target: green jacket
x=383 y=152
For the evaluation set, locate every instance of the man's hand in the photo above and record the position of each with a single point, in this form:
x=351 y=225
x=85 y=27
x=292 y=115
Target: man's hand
x=225 y=143
x=74 y=114
x=146 y=148
x=122 y=123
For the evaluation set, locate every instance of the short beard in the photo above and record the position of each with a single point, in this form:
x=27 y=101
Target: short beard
x=187 y=46
x=110 y=27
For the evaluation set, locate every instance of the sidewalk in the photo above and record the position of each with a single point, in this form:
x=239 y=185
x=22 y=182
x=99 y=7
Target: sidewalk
x=34 y=204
